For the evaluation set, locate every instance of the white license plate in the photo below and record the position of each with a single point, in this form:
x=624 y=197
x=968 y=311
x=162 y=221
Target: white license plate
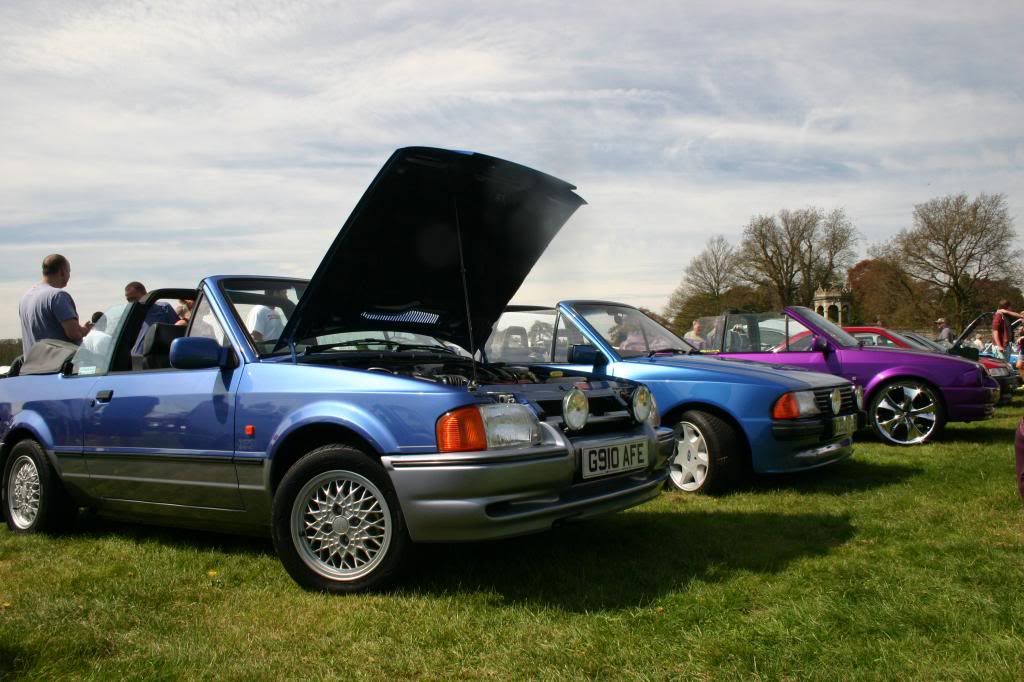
x=613 y=458
x=845 y=425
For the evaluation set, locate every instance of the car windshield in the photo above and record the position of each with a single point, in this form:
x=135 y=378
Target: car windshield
x=262 y=307
x=918 y=341
x=630 y=332
x=834 y=332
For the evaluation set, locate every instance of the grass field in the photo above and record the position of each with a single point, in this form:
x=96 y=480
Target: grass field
x=899 y=563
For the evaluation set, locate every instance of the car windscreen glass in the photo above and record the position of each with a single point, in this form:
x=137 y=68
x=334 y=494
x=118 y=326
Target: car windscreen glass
x=630 y=332
x=97 y=349
x=836 y=333
x=522 y=336
x=262 y=307
x=918 y=341
x=377 y=340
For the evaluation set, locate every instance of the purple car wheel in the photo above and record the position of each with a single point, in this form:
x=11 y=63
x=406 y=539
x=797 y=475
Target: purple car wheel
x=906 y=412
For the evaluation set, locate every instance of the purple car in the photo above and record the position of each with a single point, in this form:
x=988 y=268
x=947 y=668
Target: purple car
x=910 y=395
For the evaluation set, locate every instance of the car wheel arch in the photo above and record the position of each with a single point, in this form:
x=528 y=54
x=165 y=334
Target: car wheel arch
x=882 y=382
x=309 y=437
x=18 y=434
x=672 y=416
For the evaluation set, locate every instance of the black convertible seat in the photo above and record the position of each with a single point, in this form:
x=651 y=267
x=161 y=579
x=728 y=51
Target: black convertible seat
x=156 y=346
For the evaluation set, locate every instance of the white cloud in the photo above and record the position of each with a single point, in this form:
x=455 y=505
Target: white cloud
x=167 y=141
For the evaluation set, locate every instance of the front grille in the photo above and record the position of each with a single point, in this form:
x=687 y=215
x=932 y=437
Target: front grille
x=599 y=406
x=823 y=399
x=608 y=414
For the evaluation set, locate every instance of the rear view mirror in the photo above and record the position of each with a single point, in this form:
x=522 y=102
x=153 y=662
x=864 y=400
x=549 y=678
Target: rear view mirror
x=199 y=352
x=585 y=354
x=819 y=344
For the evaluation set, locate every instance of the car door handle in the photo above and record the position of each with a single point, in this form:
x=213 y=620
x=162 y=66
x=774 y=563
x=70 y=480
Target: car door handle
x=103 y=397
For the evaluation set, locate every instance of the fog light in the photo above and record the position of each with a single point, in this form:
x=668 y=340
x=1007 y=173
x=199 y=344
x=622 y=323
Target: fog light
x=575 y=409
x=642 y=404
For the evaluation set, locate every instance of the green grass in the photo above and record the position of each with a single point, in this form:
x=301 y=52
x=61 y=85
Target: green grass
x=899 y=563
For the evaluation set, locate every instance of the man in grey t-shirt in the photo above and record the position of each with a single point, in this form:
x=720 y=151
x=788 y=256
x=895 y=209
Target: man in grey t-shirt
x=46 y=310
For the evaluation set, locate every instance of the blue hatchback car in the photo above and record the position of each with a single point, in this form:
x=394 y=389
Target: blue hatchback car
x=728 y=415
x=345 y=416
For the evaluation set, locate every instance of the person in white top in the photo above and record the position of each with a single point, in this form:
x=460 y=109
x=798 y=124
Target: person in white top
x=267 y=323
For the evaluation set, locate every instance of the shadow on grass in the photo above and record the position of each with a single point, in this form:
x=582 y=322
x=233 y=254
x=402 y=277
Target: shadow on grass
x=849 y=476
x=15 y=660
x=97 y=526
x=626 y=560
x=977 y=435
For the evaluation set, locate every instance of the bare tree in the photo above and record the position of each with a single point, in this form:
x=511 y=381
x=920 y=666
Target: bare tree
x=713 y=270
x=797 y=252
x=708 y=276
x=955 y=242
x=770 y=253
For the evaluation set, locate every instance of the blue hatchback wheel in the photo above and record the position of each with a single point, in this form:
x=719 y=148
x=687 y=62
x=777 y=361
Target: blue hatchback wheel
x=690 y=466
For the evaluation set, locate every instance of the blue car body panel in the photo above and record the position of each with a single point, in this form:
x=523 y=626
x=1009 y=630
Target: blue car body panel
x=743 y=391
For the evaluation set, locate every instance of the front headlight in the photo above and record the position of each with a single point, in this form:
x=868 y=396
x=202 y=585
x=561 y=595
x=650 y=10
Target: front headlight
x=492 y=426
x=858 y=393
x=997 y=371
x=642 y=404
x=795 y=405
x=508 y=425
x=575 y=409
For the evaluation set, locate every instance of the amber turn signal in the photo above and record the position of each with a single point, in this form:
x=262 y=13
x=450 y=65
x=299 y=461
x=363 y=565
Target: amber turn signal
x=786 y=407
x=461 y=430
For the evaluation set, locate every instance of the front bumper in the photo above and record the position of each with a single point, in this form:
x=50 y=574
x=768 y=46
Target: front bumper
x=448 y=497
x=1007 y=386
x=970 y=404
x=805 y=444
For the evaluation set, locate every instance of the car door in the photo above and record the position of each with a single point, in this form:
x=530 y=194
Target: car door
x=166 y=436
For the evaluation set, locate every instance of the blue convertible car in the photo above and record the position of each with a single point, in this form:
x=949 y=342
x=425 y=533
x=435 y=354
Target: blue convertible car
x=729 y=415
x=344 y=415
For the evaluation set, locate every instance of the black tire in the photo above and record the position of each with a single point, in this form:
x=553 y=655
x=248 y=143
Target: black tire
x=374 y=531
x=55 y=511
x=724 y=453
x=881 y=412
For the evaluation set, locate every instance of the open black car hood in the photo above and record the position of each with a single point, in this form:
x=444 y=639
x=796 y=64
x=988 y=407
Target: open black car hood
x=397 y=262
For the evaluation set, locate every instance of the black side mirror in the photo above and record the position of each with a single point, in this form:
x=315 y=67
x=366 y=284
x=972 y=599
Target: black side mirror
x=199 y=352
x=585 y=354
x=819 y=344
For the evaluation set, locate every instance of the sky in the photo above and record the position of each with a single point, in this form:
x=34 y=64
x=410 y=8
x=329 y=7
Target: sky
x=167 y=141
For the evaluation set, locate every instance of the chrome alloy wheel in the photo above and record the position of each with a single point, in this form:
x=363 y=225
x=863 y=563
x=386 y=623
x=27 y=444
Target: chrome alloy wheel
x=690 y=466
x=906 y=413
x=23 y=492
x=341 y=525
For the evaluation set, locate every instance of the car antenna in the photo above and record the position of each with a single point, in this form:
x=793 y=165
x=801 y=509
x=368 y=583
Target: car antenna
x=474 y=383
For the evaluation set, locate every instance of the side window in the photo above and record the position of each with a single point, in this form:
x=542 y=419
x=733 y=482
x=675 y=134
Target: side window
x=206 y=324
x=765 y=333
x=566 y=335
x=97 y=350
x=798 y=336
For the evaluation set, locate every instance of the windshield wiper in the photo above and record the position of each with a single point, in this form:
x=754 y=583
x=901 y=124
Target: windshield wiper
x=425 y=346
x=352 y=342
x=673 y=351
